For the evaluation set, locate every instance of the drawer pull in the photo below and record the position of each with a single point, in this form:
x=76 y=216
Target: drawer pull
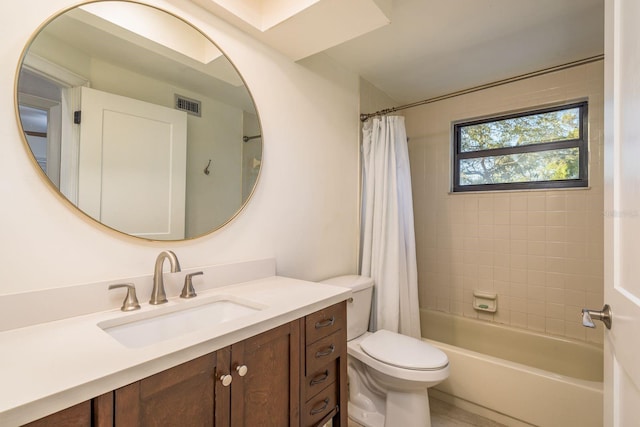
x=326 y=352
x=319 y=409
x=320 y=378
x=326 y=322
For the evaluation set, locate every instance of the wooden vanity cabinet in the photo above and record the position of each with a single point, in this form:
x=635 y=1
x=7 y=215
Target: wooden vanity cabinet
x=78 y=415
x=294 y=375
x=269 y=393
x=180 y=396
x=264 y=387
x=324 y=387
x=96 y=412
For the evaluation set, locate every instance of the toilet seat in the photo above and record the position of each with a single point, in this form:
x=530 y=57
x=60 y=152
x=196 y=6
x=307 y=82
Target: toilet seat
x=403 y=351
x=433 y=376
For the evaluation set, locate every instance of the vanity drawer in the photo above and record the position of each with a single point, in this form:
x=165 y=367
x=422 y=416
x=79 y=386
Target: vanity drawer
x=317 y=380
x=321 y=406
x=325 y=322
x=324 y=351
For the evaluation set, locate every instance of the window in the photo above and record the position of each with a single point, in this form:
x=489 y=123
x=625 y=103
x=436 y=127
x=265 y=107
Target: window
x=544 y=148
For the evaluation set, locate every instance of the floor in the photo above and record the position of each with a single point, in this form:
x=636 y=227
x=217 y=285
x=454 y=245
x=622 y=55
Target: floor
x=446 y=415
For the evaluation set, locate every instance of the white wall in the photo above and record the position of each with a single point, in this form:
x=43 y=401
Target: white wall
x=303 y=213
x=214 y=198
x=373 y=99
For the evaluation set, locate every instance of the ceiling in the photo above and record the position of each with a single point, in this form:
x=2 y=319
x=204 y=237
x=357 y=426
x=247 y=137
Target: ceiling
x=419 y=49
x=177 y=54
x=433 y=48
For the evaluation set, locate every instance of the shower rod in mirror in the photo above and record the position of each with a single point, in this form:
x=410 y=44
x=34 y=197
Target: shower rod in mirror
x=249 y=138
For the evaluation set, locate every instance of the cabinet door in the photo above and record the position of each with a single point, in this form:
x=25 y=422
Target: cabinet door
x=180 y=396
x=78 y=415
x=97 y=412
x=269 y=392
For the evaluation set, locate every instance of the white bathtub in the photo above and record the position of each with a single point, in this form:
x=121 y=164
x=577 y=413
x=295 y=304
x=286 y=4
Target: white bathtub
x=515 y=376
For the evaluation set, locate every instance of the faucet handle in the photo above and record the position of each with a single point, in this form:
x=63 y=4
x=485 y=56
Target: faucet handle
x=187 y=289
x=604 y=316
x=130 y=302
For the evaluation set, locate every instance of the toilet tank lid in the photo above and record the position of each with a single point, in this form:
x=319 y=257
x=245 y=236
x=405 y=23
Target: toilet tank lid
x=353 y=281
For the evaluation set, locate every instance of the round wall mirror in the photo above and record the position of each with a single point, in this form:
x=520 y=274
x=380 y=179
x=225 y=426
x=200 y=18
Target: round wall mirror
x=139 y=120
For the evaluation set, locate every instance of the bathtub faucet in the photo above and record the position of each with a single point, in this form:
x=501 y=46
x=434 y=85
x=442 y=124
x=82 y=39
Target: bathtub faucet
x=604 y=316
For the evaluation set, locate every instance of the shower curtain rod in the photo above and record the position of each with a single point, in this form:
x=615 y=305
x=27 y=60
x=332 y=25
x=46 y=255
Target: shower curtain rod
x=365 y=117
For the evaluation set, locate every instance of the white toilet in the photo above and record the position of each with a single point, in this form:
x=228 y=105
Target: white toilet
x=389 y=373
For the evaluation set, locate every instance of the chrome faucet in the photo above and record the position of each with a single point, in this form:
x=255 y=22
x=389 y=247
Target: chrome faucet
x=589 y=315
x=158 y=295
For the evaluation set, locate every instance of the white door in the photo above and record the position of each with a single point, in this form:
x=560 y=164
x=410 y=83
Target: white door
x=622 y=212
x=132 y=165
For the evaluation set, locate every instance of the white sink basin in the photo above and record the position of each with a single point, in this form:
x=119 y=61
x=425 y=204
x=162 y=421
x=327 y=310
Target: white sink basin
x=142 y=329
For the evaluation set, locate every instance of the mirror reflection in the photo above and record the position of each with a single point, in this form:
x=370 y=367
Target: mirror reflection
x=139 y=120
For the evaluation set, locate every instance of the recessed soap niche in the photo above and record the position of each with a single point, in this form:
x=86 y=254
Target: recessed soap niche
x=485 y=301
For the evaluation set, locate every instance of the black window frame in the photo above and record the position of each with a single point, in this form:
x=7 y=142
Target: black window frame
x=582 y=143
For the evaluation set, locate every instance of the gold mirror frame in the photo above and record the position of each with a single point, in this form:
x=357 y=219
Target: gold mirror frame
x=205 y=182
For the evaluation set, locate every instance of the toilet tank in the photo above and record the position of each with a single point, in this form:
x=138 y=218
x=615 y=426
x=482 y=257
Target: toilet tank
x=359 y=307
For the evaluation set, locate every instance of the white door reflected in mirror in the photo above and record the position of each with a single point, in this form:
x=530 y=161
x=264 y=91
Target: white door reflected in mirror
x=132 y=165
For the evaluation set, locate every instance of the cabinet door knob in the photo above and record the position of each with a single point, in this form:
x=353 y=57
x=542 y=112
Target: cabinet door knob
x=226 y=380
x=242 y=370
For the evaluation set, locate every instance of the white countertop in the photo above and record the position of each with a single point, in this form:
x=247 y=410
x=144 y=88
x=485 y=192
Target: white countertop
x=48 y=367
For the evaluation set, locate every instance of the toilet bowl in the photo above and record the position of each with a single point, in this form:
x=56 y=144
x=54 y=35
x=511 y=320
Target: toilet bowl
x=389 y=373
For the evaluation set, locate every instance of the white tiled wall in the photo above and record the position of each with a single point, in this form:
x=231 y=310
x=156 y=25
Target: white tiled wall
x=540 y=251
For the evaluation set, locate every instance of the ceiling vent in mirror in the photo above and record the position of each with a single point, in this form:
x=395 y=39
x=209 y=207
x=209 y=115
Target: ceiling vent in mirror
x=189 y=105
